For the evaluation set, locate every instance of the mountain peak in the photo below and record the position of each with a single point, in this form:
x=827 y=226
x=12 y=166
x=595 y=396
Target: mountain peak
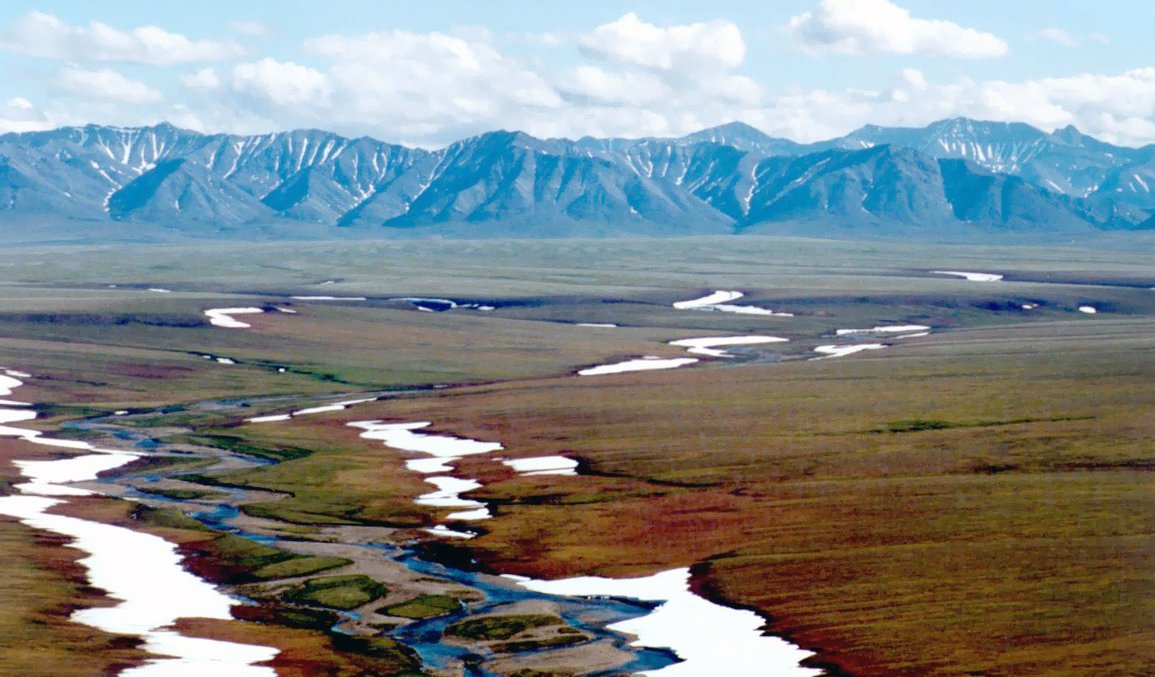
x=742 y=136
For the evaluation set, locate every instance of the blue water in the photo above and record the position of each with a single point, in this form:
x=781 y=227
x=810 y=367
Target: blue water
x=590 y=615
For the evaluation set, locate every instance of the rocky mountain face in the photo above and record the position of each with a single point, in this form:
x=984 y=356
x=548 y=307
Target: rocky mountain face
x=950 y=179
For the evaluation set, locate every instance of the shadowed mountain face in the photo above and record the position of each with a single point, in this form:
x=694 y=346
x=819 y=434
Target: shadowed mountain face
x=952 y=179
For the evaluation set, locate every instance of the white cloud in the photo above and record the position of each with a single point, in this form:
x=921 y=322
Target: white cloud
x=19 y=115
x=1060 y=36
x=406 y=80
x=1116 y=108
x=631 y=88
x=281 y=83
x=881 y=27
x=204 y=79
x=104 y=85
x=253 y=28
x=1066 y=39
x=433 y=88
x=44 y=35
x=693 y=47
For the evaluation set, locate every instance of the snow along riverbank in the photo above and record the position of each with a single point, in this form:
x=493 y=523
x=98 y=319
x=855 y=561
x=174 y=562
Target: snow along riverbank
x=141 y=571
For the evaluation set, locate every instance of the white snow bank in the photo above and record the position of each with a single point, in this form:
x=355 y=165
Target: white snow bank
x=842 y=351
x=718 y=302
x=710 y=639
x=543 y=465
x=442 y=530
x=973 y=277
x=270 y=419
x=885 y=329
x=151 y=587
x=223 y=317
x=713 y=299
x=707 y=346
x=401 y=436
x=644 y=364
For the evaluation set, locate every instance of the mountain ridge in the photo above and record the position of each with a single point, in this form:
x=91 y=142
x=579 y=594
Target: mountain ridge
x=952 y=178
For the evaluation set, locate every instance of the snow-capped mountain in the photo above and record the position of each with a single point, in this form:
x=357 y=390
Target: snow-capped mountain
x=952 y=177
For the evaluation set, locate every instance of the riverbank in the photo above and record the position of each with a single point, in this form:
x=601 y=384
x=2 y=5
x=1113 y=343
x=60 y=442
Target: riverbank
x=44 y=585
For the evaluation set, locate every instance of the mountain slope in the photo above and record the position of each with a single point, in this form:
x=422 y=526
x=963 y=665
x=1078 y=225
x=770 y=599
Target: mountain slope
x=946 y=180
x=1066 y=161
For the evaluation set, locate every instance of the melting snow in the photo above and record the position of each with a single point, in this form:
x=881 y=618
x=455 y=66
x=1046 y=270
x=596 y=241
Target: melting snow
x=885 y=329
x=712 y=299
x=222 y=317
x=710 y=639
x=543 y=465
x=973 y=277
x=151 y=588
x=648 y=363
x=842 y=351
x=443 y=449
x=717 y=301
x=706 y=346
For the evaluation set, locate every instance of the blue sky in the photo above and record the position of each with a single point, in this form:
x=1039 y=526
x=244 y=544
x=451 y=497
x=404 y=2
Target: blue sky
x=429 y=73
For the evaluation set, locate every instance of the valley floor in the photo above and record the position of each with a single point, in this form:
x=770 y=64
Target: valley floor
x=971 y=501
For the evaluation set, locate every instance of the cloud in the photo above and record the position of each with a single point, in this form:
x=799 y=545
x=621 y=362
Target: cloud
x=104 y=85
x=19 y=115
x=630 y=89
x=253 y=28
x=281 y=83
x=633 y=78
x=712 y=45
x=881 y=27
x=204 y=79
x=1116 y=108
x=1062 y=37
x=409 y=79
x=44 y=35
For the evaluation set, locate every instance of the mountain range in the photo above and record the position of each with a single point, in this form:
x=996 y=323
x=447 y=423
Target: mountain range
x=953 y=179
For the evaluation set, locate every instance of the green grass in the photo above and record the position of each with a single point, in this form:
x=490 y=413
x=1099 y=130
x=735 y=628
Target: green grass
x=181 y=494
x=521 y=646
x=167 y=517
x=336 y=592
x=241 y=446
x=240 y=560
x=975 y=501
x=301 y=565
x=490 y=628
x=424 y=606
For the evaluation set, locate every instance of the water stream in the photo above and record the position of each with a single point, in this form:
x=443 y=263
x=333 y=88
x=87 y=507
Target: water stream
x=141 y=571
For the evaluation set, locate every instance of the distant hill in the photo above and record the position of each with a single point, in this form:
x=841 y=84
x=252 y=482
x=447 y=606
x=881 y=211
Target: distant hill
x=953 y=179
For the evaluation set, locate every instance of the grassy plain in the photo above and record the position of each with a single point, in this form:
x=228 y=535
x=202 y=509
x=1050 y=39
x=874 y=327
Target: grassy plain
x=977 y=501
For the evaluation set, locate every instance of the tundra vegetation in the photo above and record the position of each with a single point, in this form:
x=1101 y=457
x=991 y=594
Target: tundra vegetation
x=977 y=500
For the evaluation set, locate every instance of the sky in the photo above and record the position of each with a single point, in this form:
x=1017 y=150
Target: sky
x=429 y=73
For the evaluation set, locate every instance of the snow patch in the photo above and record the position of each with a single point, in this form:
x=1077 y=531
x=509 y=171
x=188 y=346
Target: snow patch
x=708 y=346
x=710 y=639
x=648 y=363
x=223 y=317
x=884 y=329
x=543 y=465
x=151 y=588
x=828 y=352
x=972 y=277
